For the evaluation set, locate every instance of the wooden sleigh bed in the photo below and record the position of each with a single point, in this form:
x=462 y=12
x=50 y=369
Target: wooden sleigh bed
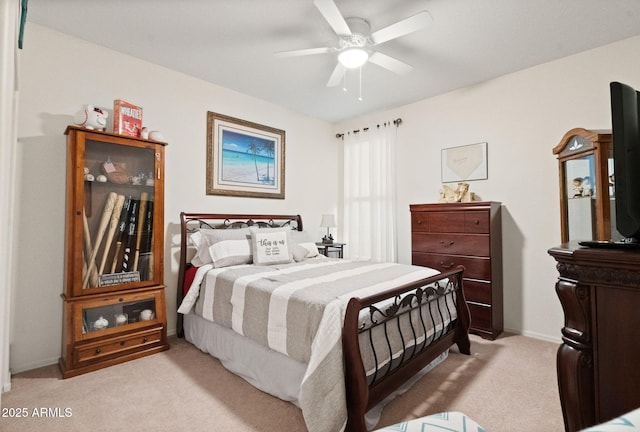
x=370 y=328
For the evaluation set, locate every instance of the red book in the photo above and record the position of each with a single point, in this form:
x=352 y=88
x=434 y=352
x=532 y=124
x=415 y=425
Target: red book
x=127 y=118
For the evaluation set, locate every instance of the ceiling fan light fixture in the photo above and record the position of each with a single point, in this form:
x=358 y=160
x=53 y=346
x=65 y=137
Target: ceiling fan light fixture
x=353 y=57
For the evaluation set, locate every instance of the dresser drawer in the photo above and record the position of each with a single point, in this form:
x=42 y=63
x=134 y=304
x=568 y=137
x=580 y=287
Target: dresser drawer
x=477 y=291
x=420 y=222
x=480 y=316
x=446 y=222
x=476 y=222
x=474 y=268
x=117 y=345
x=452 y=244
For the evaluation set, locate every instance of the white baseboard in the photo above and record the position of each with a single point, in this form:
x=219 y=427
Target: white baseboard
x=535 y=335
x=33 y=365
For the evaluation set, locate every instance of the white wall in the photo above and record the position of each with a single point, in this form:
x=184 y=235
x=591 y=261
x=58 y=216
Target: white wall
x=521 y=116
x=60 y=73
x=9 y=18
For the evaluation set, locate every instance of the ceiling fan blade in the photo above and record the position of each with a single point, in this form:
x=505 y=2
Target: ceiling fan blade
x=401 y=28
x=336 y=76
x=390 y=63
x=304 y=52
x=330 y=11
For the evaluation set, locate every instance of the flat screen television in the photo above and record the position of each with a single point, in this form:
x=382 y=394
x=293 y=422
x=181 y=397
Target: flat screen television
x=625 y=121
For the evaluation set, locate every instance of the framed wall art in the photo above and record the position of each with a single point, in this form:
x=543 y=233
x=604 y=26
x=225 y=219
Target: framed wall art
x=463 y=163
x=244 y=159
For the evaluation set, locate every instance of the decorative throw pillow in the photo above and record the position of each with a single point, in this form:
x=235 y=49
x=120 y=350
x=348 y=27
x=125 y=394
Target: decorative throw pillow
x=303 y=251
x=205 y=238
x=271 y=246
x=226 y=253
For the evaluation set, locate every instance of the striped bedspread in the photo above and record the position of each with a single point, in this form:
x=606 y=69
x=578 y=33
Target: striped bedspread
x=298 y=310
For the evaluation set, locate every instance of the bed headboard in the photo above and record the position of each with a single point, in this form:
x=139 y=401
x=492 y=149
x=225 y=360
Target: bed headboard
x=191 y=222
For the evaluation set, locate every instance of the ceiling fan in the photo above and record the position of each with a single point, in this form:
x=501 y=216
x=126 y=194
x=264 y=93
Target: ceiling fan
x=356 y=41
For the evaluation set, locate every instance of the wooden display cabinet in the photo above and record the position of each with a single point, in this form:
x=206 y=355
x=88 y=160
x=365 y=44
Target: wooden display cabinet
x=114 y=304
x=585 y=168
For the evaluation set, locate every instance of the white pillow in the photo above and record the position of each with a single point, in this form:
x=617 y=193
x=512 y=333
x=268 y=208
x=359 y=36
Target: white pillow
x=205 y=238
x=226 y=253
x=303 y=251
x=271 y=246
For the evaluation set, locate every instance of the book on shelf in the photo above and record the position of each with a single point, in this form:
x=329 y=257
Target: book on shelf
x=127 y=118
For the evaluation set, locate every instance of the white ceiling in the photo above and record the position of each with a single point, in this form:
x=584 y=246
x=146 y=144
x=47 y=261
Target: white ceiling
x=231 y=42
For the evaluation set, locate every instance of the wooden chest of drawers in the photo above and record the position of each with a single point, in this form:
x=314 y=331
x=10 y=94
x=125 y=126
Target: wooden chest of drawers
x=469 y=234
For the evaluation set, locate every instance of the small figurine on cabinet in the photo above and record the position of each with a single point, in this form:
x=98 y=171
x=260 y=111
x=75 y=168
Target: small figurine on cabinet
x=587 y=189
x=91 y=117
x=578 y=190
x=146 y=315
x=101 y=323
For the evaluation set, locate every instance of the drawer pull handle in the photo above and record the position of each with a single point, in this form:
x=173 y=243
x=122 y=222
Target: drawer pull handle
x=120 y=299
x=477 y=222
x=122 y=343
x=446 y=266
x=419 y=221
x=446 y=244
x=98 y=350
x=145 y=339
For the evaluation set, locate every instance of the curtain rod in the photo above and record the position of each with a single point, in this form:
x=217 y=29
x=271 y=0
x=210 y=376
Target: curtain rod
x=396 y=122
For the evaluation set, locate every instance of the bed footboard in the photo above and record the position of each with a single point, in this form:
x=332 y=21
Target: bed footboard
x=420 y=316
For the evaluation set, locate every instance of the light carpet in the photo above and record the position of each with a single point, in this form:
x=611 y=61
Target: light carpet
x=505 y=385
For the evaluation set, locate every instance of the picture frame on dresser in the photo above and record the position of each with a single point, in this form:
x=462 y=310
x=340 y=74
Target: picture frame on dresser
x=244 y=158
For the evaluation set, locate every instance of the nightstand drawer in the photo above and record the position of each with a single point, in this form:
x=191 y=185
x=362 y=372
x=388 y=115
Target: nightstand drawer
x=452 y=244
x=117 y=345
x=474 y=268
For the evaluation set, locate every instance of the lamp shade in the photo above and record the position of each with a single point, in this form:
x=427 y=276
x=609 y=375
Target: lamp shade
x=328 y=221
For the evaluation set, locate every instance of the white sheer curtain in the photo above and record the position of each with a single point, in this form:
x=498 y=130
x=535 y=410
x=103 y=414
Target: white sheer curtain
x=369 y=215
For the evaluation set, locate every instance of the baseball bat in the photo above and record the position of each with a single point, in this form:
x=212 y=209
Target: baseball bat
x=88 y=248
x=102 y=227
x=147 y=236
x=127 y=259
x=122 y=228
x=113 y=225
x=141 y=215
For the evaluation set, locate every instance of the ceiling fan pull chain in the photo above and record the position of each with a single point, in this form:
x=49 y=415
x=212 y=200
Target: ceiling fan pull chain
x=360 y=95
x=344 y=80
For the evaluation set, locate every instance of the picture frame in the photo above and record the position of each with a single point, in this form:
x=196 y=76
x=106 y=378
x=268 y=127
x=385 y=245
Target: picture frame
x=244 y=159
x=464 y=163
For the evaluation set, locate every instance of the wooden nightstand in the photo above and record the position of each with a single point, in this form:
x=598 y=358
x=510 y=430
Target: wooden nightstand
x=331 y=249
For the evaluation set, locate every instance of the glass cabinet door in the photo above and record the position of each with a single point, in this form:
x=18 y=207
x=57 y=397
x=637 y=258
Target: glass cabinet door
x=581 y=194
x=115 y=313
x=115 y=217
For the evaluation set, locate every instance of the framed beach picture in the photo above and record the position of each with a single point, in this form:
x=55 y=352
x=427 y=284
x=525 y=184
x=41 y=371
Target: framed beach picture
x=243 y=158
x=463 y=163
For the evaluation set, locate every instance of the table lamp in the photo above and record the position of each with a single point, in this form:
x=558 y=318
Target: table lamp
x=328 y=221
